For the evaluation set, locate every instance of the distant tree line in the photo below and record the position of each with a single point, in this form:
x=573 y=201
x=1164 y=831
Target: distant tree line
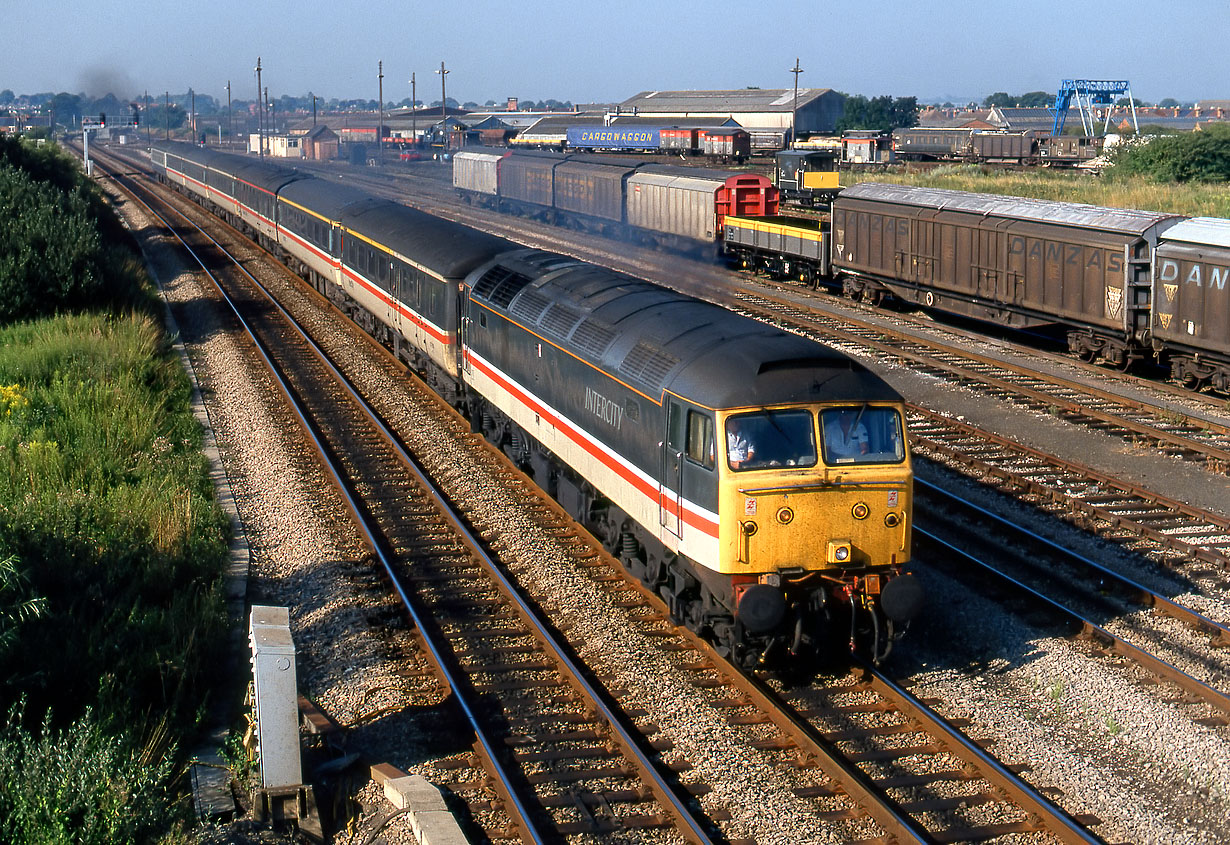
x=1031 y=100
x=1041 y=99
x=884 y=113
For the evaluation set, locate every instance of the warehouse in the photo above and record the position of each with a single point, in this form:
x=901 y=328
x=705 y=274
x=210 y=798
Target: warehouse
x=767 y=113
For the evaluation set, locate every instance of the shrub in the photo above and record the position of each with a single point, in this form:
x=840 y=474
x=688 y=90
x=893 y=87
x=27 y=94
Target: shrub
x=56 y=246
x=106 y=500
x=82 y=785
x=1190 y=157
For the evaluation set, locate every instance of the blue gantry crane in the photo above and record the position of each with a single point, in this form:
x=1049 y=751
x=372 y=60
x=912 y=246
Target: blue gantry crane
x=1088 y=93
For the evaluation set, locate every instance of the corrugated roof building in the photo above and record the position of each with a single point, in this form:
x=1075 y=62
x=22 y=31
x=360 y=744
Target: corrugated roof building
x=818 y=109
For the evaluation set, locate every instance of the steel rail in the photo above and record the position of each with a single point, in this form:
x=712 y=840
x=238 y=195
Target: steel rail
x=520 y=814
x=1177 y=541
x=1139 y=592
x=1092 y=631
x=666 y=795
x=1056 y=821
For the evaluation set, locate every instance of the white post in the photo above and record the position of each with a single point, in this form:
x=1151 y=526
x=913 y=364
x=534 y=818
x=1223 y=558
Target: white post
x=277 y=697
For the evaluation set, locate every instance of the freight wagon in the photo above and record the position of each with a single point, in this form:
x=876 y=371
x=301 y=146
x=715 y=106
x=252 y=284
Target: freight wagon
x=1020 y=262
x=1191 y=303
x=678 y=207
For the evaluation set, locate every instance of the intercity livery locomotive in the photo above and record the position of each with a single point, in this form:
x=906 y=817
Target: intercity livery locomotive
x=758 y=481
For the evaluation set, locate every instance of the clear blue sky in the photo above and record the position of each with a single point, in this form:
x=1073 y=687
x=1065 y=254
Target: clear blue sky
x=607 y=51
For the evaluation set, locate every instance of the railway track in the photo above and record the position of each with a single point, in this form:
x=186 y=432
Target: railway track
x=946 y=819
x=1192 y=539
x=1026 y=570
x=564 y=760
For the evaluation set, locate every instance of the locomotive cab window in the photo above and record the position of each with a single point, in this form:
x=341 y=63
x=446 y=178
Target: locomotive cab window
x=700 y=447
x=771 y=439
x=861 y=434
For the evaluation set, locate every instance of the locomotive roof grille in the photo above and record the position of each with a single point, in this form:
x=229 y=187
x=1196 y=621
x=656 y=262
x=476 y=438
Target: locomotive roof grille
x=530 y=305
x=560 y=319
x=499 y=285
x=648 y=364
x=593 y=336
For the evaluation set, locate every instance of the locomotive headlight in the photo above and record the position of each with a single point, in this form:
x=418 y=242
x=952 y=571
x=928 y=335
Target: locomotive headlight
x=840 y=551
x=860 y=511
x=892 y=520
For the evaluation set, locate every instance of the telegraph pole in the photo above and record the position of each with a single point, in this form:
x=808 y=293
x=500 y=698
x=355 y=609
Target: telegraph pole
x=414 y=123
x=260 y=112
x=192 y=121
x=149 y=137
x=380 y=124
x=230 y=128
x=794 y=114
x=443 y=106
x=166 y=115
x=313 y=110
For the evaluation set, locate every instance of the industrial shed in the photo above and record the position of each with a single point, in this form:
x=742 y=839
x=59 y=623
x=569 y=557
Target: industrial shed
x=769 y=109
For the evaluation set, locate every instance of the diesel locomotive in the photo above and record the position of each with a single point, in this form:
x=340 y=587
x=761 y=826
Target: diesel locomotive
x=758 y=481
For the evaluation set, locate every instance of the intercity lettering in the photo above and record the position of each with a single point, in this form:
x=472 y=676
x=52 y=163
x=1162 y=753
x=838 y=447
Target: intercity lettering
x=610 y=412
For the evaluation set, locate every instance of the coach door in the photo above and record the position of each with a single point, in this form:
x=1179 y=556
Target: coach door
x=670 y=474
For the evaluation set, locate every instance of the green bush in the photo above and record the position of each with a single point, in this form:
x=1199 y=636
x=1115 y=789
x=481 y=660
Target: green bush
x=83 y=786
x=1190 y=157
x=106 y=500
x=111 y=545
x=57 y=250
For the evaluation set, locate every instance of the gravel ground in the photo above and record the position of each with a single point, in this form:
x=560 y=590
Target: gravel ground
x=1082 y=724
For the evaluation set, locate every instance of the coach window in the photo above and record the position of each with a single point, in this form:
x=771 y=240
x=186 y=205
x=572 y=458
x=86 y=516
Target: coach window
x=700 y=439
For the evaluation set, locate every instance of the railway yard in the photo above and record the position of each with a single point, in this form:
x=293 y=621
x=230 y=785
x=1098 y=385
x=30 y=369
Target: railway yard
x=1065 y=680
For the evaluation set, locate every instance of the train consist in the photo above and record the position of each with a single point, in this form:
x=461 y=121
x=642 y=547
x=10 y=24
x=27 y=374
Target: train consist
x=1026 y=147
x=725 y=143
x=759 y=481
x=1124 y=285
x=667 y=205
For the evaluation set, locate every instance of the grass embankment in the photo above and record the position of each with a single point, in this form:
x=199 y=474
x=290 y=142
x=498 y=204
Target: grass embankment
x=111 y=543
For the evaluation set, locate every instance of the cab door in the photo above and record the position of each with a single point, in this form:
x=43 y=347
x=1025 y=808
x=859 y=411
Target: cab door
x=670 y=472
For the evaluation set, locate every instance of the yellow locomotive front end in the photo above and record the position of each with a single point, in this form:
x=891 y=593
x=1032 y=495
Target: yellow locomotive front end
x=815 y=510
